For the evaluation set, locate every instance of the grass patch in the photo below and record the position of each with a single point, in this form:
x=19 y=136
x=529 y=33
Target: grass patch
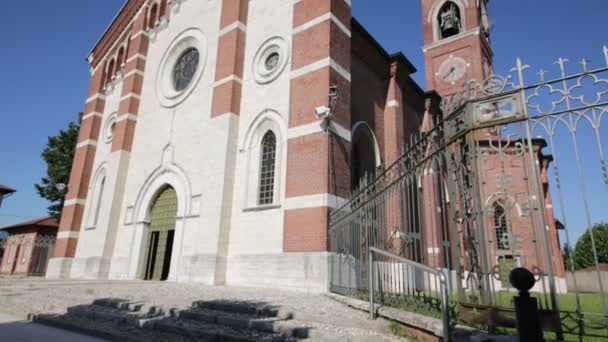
x=595 y=321
x=398 y=330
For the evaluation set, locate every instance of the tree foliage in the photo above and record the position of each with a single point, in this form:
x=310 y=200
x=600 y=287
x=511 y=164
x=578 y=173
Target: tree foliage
x=58 y=155
x=583 y=252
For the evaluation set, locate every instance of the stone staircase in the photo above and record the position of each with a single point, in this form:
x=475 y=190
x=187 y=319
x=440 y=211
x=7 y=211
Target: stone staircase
x=122 y=320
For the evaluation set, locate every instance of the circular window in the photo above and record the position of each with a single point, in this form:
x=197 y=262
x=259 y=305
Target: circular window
x=185 y=69
x=181 y=67
x=270 y=60
x=108 y=130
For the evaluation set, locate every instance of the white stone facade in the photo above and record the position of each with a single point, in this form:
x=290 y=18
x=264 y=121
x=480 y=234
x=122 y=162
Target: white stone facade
x=222 y=236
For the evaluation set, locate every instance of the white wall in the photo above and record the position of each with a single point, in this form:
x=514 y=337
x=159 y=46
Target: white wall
x=193 y=162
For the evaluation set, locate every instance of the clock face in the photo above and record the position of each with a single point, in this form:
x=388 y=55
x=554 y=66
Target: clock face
x=451 y=70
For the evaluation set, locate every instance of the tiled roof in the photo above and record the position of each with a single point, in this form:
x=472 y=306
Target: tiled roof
x=43 y=221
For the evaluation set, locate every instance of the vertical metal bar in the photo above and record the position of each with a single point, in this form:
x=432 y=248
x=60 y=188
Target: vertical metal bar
x=445 y=309
x=552 y=288
x=372 y=314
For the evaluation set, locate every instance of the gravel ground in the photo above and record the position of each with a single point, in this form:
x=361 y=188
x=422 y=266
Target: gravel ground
x=23 y=296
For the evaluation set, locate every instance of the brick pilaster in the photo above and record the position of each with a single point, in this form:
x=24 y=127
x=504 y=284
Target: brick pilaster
x=317 y=163
x=226 y=104
x=82 y=167
x=230 y=58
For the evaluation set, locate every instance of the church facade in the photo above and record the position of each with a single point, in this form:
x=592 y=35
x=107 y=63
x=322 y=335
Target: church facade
x=218 y=135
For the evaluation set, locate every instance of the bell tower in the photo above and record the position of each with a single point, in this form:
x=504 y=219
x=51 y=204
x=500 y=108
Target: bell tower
x=456 y=43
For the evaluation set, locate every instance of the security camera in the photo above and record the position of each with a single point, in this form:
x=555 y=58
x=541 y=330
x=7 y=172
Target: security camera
x=322 y=111
x=333 y=91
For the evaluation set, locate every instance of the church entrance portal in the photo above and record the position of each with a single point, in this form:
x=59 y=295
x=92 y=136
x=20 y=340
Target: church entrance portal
x=159 y=241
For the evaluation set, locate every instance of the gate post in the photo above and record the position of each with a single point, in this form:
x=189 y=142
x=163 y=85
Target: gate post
x=526 y=307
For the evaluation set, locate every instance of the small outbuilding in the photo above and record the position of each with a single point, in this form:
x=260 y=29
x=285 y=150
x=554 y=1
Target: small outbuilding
x=28 y=247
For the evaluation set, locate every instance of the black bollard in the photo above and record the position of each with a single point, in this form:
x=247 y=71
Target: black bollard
x=526 y=307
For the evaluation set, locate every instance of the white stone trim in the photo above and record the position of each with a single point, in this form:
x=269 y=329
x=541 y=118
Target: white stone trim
x=136 y=56
x=97 y=96
x=320 y=64
x=473 y=32
x=90 y=115
x=314 y=201
x=124 y=117
x=318 y=20
x=129 y=95
x=234 y=78
x=134 y=72
x=74 y=201
x=433 y=250
x=67 y=235
x=87 y=142
x=316 y=127
x=393 y=104
x=235 y=25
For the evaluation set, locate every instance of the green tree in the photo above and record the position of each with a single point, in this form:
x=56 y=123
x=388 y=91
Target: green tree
x=583 y=252
x=567 y=256
x=58 y=155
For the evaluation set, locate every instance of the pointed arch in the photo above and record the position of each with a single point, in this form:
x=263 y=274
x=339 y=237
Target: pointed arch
x=168 y=174
x=268 y=157
x=365 y=152
x=265 y=138
x=96 y=190
x=433 y=15
x=152 y=16
x=501 y=228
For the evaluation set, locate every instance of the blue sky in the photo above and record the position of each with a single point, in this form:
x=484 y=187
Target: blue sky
x=44 y=77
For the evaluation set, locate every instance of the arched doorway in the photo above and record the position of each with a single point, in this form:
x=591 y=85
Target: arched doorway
x=364 y=154
x=161 y=233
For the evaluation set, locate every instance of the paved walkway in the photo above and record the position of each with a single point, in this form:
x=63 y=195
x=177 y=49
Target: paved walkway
x=16 y=330
x=20 y=297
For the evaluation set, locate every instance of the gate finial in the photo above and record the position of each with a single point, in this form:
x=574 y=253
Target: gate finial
x=585 y=64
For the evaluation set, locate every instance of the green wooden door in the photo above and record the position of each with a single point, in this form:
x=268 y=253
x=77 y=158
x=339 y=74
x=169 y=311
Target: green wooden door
x=160 y=235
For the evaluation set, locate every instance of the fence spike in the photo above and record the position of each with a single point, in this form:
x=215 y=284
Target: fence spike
x=585 y=64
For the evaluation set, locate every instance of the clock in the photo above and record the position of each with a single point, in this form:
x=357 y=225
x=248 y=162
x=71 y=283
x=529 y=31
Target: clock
x=451 y=70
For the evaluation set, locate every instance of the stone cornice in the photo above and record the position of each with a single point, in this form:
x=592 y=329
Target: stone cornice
x=113 y=32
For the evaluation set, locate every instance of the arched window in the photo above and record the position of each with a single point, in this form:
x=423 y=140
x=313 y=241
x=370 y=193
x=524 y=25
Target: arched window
x=119 y=59
x=449 y=20
x=267 y=167
x=98 y=199
x=500 y=226
x=163 y=8
x=110 y=71
x=127 y=48
x=152 y=16
x=363 y=154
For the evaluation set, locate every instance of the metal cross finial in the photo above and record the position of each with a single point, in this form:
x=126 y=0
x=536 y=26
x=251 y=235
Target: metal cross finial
x=585 y=64
x=561 y=62
x=542 y=73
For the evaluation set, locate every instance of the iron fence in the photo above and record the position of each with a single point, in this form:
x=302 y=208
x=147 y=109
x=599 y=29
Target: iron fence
x=26 y=255
x=512 y=174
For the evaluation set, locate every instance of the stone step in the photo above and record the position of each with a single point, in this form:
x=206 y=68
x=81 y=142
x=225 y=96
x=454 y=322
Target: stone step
x=107 y=330
x=247 y=308
x=128 y=305
x=192 y=329
x=273 y=325
x=106 y=313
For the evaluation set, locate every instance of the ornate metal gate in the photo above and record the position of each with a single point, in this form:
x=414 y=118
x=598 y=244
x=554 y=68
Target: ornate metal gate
x=510 y=175
x=26 y=255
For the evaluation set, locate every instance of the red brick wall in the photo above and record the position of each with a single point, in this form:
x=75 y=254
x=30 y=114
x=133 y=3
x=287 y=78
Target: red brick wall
x=308 y=166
